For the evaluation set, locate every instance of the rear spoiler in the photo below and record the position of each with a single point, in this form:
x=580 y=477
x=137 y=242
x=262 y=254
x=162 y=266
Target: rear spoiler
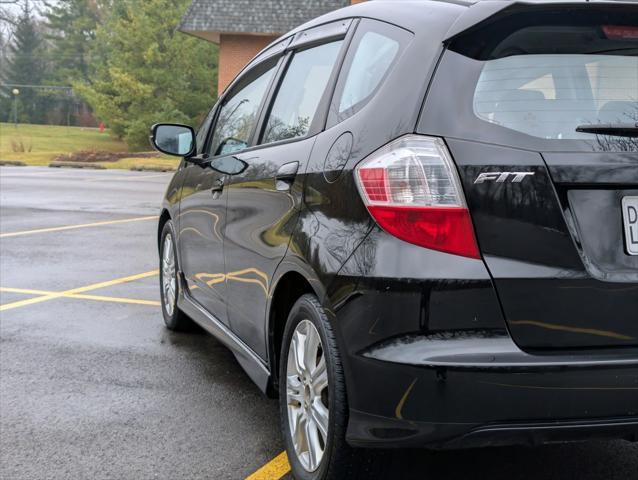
x=485 y=12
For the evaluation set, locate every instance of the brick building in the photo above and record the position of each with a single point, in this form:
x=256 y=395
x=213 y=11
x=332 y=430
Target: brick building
x=243 y=27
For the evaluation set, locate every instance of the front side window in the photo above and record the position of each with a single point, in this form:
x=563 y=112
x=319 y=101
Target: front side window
x=238 y=116
x=300 y=92
x=551 y=96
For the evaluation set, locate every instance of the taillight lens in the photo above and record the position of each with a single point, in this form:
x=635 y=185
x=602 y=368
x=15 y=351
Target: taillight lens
x=412 y=190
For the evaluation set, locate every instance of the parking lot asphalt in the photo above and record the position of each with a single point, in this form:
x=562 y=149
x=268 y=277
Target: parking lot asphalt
x=92 y=386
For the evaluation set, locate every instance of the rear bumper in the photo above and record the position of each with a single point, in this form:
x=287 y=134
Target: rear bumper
x=429 y=361
x=472 y=389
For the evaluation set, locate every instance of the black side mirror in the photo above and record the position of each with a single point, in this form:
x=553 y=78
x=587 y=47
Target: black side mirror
x=228 y=165
x=173 y=139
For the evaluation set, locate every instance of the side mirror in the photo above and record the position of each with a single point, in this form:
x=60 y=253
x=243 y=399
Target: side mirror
x=228 y=165
x=173 y=139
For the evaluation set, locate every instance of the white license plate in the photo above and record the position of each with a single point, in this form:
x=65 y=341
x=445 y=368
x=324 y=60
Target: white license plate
x=630 y=218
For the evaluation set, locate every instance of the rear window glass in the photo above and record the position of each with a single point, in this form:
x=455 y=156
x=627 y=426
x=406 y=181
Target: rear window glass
x=549 y=96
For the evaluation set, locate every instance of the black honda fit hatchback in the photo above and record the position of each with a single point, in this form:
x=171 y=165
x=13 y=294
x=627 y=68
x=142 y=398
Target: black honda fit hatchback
x=417 y=224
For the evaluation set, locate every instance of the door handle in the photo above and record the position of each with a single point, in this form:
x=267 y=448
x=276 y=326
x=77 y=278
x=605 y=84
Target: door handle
x=218 y=187
x=286 y=175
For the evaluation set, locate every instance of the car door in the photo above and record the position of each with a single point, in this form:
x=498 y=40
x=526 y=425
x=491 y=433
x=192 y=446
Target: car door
x=263 y=201
x=203 y=207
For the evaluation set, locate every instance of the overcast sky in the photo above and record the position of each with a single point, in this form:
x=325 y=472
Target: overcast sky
x=15 y=7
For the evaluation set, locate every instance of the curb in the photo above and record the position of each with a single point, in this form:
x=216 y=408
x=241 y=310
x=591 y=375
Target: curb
x=151 y=168
x=59 y=164
x=12 y=163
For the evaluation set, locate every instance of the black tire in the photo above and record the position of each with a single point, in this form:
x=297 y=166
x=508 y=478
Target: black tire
x=175 y=320
x=339 y=459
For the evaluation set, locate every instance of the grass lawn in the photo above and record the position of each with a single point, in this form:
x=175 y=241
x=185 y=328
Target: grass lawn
x=45 y=142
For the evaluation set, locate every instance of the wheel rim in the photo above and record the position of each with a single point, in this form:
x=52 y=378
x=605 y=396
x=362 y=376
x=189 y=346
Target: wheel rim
x=169 y=278
x=307 y=395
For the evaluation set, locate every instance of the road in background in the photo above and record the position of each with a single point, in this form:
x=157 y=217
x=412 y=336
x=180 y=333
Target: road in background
x=92 y=386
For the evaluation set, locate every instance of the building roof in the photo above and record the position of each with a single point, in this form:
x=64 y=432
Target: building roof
x=208 y=18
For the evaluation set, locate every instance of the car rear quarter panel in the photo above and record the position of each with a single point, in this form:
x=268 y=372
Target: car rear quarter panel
x=334 y=220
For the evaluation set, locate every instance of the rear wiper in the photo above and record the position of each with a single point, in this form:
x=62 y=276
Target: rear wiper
x=615 y=129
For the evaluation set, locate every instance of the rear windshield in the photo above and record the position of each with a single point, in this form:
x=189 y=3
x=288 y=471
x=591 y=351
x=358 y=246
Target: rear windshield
x=547 y=70
x=549 y=96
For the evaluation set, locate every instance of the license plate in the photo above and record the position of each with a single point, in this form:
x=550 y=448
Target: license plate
x=630 y=218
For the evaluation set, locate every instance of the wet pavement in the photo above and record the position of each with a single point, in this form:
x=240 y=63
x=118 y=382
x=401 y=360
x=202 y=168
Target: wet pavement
x=92 y=386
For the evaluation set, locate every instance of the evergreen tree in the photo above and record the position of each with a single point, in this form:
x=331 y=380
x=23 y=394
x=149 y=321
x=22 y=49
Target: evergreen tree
x=5 y=101
x=25 y=66
x=146 y=71
x=71 y=25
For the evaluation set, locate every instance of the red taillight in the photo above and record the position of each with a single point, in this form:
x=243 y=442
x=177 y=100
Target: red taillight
x=446 y=229
x=620 y=32
x=412 y=190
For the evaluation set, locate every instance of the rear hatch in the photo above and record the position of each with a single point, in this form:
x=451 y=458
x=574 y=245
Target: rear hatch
x=539 y=106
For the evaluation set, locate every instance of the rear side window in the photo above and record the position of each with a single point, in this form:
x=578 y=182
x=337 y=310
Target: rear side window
x=550 y=96
x=373 y=58
x=300 y=92
x=375 y=48
x=238 y=116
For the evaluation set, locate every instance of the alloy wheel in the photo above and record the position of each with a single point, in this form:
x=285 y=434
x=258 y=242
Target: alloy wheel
x=169 y=275
x=307 y=395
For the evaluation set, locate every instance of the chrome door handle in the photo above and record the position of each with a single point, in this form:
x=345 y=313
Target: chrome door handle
x=218 y=187
x=286 y=175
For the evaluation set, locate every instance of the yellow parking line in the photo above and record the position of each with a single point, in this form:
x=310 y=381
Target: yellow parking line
x=273 y=470
x=75 y=291
x=26 y=291
x=72 y=227
x=100 y=298
x=110 y=283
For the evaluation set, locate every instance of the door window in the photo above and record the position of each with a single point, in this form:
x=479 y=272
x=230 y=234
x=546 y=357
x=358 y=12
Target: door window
x=238 y=116
x=300 y=92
